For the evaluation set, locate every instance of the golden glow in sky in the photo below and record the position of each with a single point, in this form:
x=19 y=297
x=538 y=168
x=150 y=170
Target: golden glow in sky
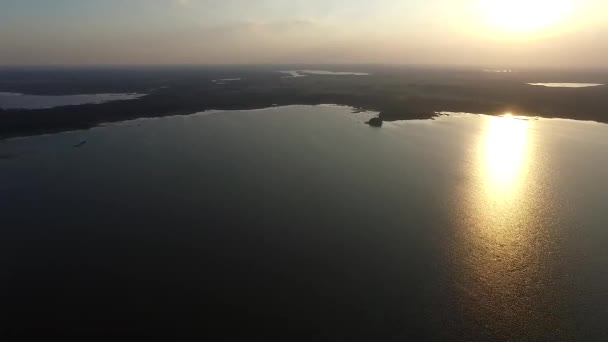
x=526 y=16
x=553 y=33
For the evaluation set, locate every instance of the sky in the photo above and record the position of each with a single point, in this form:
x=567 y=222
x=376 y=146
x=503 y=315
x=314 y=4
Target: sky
x=568 y=33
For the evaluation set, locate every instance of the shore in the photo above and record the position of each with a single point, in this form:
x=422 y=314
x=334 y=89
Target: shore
x=396 y=96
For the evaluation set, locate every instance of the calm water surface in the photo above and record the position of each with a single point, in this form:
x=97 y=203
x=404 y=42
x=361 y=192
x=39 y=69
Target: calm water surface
x=304 y=73
x=302 y=223
x=567 y=85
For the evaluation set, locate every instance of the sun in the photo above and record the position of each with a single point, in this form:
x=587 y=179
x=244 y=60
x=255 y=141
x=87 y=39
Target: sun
x=525 y=16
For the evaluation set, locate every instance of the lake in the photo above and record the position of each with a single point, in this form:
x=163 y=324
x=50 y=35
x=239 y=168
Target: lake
x=304 y=73
x=566 y=85
x=303 y=223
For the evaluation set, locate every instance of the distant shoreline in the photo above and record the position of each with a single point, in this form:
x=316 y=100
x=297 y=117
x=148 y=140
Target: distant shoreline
x=395 y=94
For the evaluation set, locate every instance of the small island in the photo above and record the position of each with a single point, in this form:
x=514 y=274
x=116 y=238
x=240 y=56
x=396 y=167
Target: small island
x=375 y=122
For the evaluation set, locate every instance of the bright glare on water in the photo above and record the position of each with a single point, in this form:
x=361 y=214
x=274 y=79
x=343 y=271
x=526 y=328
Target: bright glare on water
x=505 y=147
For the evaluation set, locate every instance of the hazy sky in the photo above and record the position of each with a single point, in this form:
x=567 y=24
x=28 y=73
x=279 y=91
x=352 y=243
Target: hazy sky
x=491 y=32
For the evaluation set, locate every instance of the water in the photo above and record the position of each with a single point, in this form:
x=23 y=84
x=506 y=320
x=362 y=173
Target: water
x=304 y=73
x=226 y=80
x=303 y=223
x=23 y=101
x=567 y=85
x=499 y=71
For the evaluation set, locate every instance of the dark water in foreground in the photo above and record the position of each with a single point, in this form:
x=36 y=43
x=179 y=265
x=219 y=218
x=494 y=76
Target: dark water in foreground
x=302 y=223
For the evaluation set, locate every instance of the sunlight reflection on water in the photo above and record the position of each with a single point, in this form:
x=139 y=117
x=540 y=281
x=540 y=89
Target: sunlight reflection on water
x=505 y=242
x=505 y=154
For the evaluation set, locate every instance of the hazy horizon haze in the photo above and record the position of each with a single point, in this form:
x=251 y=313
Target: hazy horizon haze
x=562 y=33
